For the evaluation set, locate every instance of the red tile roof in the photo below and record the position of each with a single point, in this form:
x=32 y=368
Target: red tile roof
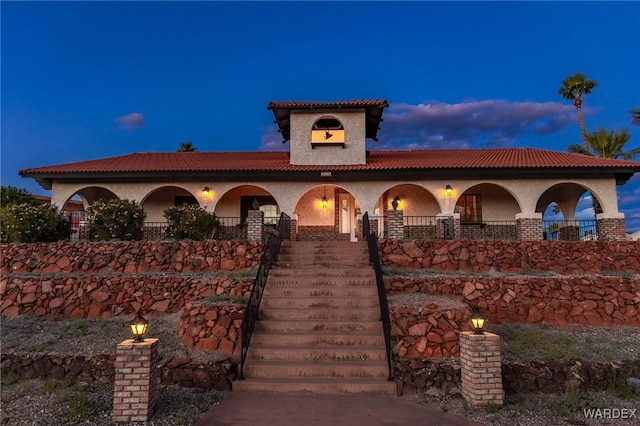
x=337 y=104
x=512 y=158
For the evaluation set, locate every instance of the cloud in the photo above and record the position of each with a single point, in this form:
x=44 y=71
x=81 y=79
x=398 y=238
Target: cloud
x=131 y=121
x=271 y=140
x=470 y=124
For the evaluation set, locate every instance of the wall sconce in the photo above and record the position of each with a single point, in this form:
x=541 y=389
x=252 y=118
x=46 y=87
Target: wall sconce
x=395 y=203
x=448 y=190
x=325 y=203
x=139 y=327
x=477 y=321
x=205 y=192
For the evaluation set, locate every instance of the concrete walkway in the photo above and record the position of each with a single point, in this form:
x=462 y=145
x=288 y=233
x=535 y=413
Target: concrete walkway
x=250 y=409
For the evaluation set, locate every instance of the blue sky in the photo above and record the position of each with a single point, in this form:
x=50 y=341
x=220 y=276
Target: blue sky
x=85 y=80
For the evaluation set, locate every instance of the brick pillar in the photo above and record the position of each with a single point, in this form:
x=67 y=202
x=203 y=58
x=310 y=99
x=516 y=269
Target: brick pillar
x=395 y=226
x=293 y=231
x=448 y=226
x=610 y=227
x=481 y=368
x=135 y=390
x=255 y=223
x=529 y=228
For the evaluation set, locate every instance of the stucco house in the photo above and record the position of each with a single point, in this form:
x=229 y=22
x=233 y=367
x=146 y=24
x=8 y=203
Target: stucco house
x=328 y=179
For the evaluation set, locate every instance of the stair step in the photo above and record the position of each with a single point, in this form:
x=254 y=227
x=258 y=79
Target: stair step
x=316 y=353
x=328 y=326
x=319 y=302
x=352 y=291
x=348 y=314
x=290 y=368
x=291 y=338
x=319 y=386
x=322 y=273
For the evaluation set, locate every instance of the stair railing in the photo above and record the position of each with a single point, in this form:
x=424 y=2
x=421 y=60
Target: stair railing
x=374 y=260
x=269 y=258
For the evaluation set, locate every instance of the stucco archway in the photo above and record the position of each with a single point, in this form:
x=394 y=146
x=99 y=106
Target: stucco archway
x=160 y=199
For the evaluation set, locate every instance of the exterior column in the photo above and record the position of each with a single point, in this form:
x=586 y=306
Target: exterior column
x=293 y=230
x=481 y=369
x=529 y=227
x=610 y=227
x=255 y=223
x=135 y=391
x=395 y=225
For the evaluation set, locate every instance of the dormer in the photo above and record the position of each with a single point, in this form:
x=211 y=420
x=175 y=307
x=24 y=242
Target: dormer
x=328 y=133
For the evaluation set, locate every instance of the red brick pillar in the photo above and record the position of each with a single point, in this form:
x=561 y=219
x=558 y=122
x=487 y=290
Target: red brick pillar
x=293 y=235
x=610 y=227
x=135 y=391
x=255 y=223
x=481 y=368
x=529 y=228
x=395 y=225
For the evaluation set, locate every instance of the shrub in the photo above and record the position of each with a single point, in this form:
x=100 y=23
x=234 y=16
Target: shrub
x=10 y=195
x=117 y=219
x=26 y=223
x=189 y=222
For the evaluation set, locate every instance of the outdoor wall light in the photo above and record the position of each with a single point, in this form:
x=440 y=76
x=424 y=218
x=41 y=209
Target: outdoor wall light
x=395 y=203
x=448 y=190
x=139 y=327
x=477 y=321
x=324 y=202
x=205 y=192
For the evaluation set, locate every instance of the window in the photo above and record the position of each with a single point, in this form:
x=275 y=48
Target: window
x=470 y=208
x=270 y=214
x=246 y=204
x=327 y=131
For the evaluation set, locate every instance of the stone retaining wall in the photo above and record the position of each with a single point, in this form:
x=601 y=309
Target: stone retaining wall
x=130 y=257
x=105 y=296
x=442 y=377
x=427 y=332
x=212 y=326
x=100 y=368
x=561 y=257
x=552 y=300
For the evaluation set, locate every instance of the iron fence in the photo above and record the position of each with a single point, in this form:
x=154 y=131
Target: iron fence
x=489 y=230
x=420 y=227
x=570 y=230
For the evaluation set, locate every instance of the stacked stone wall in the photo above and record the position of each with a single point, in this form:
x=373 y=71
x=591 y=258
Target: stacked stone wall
x=560 y=257
x=212 y=326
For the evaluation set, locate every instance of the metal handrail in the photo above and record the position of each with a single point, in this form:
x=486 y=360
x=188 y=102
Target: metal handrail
x=374 y=260
x=269 y=258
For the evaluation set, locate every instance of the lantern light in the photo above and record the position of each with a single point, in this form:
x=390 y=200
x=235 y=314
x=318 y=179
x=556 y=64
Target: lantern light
x=477 y=321
x=448 y=190
x=205 y=192
x=139 y=327
x=395 y=203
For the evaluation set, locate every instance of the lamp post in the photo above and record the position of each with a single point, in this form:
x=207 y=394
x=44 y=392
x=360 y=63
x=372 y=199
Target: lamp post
x=477 y=321
x=139 y=327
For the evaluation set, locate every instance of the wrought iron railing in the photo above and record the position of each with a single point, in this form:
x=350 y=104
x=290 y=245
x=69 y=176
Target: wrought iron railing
x=374 y=260
x=489 y=230
x=267 y=261
x=570 y=230
x=420 y=227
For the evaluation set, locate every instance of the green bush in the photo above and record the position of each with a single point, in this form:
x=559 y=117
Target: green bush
x=189 y=222
x=117 y=219
x=10 y=195
x=27 y=223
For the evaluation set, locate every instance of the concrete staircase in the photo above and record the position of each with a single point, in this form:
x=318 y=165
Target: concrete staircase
x=319 y=328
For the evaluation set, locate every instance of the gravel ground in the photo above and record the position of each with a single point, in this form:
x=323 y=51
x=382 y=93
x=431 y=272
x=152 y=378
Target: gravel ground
x=49 y=402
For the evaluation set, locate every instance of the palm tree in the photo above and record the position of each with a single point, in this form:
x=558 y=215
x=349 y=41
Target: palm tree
x=187 y=147
x=574 y=87
x=607 y=144
x=635 y=116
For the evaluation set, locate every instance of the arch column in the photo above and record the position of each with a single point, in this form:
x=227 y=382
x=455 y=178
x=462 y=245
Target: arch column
x=610 y=227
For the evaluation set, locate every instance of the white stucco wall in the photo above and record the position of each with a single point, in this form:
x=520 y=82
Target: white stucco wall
x=354 y=151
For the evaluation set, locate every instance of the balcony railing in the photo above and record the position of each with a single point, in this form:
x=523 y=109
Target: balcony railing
x=570 y=230
x=420 y=227
x=489 y=230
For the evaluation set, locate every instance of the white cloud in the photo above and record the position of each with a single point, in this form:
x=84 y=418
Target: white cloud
x=131 y=121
